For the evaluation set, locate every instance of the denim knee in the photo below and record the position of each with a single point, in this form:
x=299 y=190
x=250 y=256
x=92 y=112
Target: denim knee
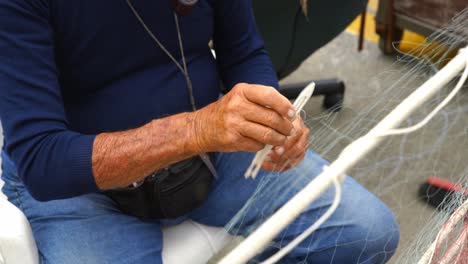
x=362 y=230
x=378 y=234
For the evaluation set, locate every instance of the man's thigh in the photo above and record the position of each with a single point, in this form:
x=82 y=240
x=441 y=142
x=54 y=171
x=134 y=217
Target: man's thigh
x=231 y=192
x=361 y=228
x=86 y=229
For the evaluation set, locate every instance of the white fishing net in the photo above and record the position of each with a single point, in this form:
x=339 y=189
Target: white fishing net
x=400 y=162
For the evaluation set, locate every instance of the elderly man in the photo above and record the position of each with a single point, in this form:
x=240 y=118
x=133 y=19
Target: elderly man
x=108 y=109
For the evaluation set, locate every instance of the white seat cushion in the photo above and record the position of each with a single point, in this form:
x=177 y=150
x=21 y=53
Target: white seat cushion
x=16 y=241
x=191 y=242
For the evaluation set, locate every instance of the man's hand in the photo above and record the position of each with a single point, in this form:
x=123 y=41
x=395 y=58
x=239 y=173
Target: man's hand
x=292 y=152
x=245 y=119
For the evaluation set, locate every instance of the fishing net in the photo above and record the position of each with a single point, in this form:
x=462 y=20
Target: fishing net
x=398 y=165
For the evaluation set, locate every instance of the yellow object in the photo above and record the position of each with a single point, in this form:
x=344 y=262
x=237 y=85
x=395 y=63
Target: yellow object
x=369 y=30
x=411 y=42
x=372 y=6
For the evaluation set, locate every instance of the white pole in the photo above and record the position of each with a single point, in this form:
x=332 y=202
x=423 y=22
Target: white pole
x=264 y=234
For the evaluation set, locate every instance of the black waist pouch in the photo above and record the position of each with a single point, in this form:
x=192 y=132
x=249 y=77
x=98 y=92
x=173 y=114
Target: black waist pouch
x=168 y=193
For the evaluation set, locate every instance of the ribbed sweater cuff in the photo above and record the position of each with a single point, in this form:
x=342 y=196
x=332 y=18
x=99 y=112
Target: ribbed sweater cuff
x=80 y=176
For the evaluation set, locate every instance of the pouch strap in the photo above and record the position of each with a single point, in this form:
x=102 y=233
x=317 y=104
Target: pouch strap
x=206 y=159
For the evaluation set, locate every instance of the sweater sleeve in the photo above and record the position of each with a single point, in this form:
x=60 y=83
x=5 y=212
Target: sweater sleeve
x=239 y=48
x=52 y=161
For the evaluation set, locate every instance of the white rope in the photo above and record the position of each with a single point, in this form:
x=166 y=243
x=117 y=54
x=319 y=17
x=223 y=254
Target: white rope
x=285 y=250
x=262 y=236
x=431 y=115
x=407 y=130
x=276 y=257
x=390 y=132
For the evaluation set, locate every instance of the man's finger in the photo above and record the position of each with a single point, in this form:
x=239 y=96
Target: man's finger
x=299 y=147
x=275 y=167
x=301 y=152
x=268 y=117
x=262 y=134
x=296 y=151
x=279 y=153
x=267 y=96
x=250 y=145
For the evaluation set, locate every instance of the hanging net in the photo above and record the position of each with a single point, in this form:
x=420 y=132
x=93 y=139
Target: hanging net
x=400 y=162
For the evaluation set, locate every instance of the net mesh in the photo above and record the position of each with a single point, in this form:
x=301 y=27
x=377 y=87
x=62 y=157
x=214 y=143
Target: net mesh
x=399 y=163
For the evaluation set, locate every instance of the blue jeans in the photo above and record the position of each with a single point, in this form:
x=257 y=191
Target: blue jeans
x=91 y=229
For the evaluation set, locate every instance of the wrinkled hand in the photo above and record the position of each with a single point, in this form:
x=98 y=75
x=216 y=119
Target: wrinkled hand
x=292 y=152
x=245 y=119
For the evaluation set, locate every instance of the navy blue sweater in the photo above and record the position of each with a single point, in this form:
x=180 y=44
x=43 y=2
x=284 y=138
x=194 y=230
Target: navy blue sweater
x=72 y=69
